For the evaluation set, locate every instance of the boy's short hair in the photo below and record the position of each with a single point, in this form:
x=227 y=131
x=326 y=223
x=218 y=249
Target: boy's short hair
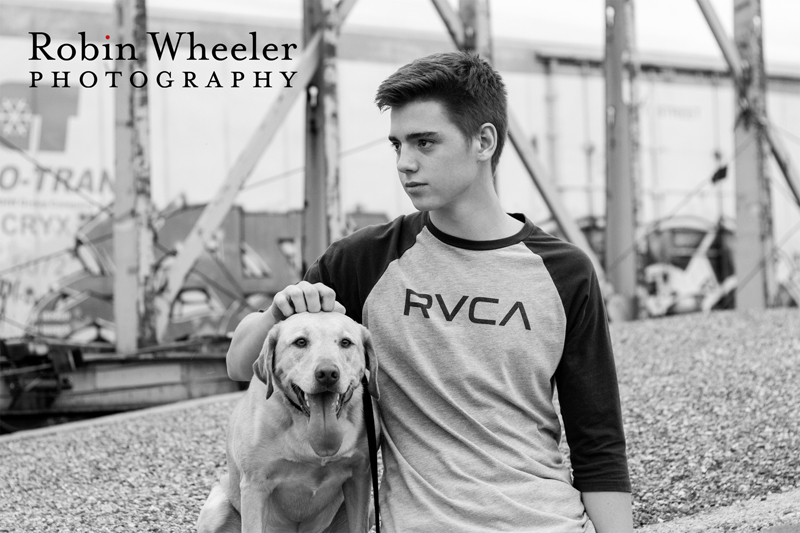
x=470 y=90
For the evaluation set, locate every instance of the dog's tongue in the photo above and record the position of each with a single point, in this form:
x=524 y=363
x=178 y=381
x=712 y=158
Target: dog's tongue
x=324 y=432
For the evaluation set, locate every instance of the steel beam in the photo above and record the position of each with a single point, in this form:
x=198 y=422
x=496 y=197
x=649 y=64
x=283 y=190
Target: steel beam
x=755 y=271
x=781 y=155
x=221 y=203
x=477 y=31
x=134 y=312
x=544 y=185
x=474 y=15
x=729 y=51
x=738 y=70
x=322 y=214
x=551 y=124
x=754 y=251
x=621 y=253
x=452 y=21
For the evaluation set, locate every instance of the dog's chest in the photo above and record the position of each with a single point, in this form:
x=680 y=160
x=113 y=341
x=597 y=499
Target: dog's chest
x=301 y=490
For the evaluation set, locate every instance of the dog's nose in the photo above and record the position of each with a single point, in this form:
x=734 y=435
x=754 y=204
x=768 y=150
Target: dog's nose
x=327 y=375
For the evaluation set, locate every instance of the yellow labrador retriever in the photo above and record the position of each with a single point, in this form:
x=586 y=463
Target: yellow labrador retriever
x=296 y=442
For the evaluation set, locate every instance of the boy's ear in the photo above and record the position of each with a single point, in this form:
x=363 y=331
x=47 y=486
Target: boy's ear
x=487 y=139
x=372 y=363
x=264 y=365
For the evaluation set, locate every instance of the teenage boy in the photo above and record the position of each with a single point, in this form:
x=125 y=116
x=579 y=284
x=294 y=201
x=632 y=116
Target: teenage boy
x=476 y=316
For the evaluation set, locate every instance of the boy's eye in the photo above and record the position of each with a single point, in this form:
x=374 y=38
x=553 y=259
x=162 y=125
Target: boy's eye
x=395 y=147
x=423 y=143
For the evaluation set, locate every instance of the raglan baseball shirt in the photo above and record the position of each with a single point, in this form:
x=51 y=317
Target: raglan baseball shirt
x=471 y=338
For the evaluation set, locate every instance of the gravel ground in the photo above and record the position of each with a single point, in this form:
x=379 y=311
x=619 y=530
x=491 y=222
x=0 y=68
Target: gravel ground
x=140 y=473
x=710 y=403
x=712 y=409
x=776 y=513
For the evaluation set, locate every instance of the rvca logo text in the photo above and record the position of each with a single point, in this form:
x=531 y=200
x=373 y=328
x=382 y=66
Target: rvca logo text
x=481 y=310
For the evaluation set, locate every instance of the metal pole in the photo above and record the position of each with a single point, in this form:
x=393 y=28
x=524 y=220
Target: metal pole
x=588 y=145
x=728 y=49
x=621 y=256
x=754 y=241
x=739 y=66
x=134 y=312
x=551 y=99
x=781 y=155
x=477 y=32
x=322 y=218
x=549 y=194
x=474 y=16
x=452 y=21
x=330 y=107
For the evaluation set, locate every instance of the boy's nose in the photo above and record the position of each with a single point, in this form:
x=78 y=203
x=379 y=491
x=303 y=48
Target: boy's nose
x=406 y=164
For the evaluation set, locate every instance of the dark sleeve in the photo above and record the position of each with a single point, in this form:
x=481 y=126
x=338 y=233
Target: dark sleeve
x=586 y=378
x=353 y=265
x=331 y=269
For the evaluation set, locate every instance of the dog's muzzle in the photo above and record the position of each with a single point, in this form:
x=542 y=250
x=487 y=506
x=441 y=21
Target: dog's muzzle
x=323 y=410
x=304 y=403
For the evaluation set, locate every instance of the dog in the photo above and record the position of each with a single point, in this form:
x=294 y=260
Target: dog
x=296 y=441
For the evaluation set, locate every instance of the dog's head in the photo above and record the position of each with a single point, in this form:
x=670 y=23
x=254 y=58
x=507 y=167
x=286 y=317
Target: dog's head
x=317 y=361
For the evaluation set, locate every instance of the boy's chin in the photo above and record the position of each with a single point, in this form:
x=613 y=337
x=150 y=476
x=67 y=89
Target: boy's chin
x=421 y=204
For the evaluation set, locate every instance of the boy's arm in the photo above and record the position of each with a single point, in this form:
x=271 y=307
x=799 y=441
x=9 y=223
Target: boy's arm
x=250 y=334
x=588 y=395
x=248 y=338
x=610 y=512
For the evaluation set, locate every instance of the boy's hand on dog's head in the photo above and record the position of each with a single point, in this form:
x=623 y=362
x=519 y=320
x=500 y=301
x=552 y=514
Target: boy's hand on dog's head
x=304 y=297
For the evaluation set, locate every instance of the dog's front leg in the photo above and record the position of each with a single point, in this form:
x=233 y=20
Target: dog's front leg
x=253 y=504
x=356 y=501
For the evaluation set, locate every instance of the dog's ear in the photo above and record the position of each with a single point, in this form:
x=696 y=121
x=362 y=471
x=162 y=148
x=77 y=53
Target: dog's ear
x=372 y=363
x=263 y=367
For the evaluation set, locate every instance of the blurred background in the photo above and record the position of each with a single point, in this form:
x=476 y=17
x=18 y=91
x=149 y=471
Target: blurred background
x=206 y=186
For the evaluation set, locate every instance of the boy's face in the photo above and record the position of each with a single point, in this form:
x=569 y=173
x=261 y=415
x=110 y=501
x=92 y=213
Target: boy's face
x=438 y=167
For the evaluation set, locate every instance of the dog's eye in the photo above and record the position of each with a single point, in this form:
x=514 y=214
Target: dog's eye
x=346 y=343
x=301 y=342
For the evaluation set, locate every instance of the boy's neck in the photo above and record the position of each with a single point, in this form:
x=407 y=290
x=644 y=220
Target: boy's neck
x=487 y=222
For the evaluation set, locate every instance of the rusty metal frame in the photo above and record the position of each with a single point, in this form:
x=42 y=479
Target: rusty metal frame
x=221 y=203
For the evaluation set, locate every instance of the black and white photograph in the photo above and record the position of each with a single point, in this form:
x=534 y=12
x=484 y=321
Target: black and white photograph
x=364 y=266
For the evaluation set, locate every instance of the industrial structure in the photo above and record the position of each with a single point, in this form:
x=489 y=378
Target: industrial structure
x=188 y=272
